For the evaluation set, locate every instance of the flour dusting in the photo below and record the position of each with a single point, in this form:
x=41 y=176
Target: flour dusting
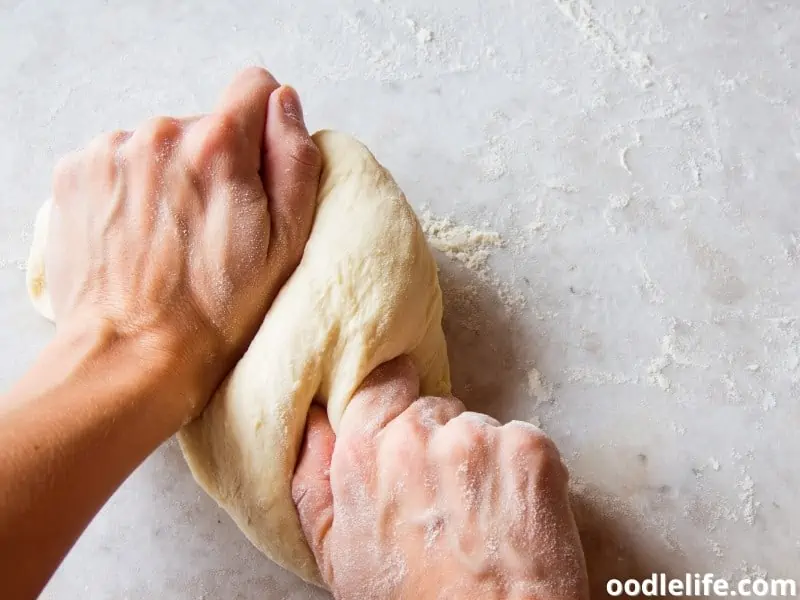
x=464 y=243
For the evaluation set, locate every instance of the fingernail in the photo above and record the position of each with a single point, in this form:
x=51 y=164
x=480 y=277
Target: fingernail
x=290 y=102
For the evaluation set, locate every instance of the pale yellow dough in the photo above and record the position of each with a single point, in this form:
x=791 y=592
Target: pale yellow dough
x=366 y=291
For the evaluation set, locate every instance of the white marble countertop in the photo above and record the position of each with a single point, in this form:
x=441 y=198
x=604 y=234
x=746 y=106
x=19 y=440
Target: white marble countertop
x=639 y=160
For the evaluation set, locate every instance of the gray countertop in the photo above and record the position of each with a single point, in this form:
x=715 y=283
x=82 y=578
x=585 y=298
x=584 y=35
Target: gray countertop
x=639 y=161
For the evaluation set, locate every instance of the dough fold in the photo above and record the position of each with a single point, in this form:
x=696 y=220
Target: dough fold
x=366 y=291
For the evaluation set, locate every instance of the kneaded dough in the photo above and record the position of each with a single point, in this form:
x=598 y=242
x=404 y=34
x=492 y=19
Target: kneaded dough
x=366 y=291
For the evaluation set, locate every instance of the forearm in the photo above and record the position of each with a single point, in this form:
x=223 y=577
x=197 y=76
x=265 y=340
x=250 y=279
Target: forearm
x=88 y=412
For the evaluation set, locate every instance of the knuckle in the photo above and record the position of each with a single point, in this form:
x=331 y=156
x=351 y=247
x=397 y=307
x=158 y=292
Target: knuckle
x=403 y=436
x=105 y=151
x=64 y=167
x=472 y=433
x=222 y=131
x=64 y=174
x=109 y=142
x=527 y=442
x=528 y=439
x=553 y=470
x=255 y=73
x=471 y=428
x=434 y=411
x=217 y=135
x=424 y=413
x=157 y=134
x=463 y=437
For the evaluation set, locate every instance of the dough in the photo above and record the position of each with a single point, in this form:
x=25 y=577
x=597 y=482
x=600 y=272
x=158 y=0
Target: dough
x=366 y=291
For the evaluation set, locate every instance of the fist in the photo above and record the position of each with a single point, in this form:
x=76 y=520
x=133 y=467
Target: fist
x=417 y=498
x=179 y=234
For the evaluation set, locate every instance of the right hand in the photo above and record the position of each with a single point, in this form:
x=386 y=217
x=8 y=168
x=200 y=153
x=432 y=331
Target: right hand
x=417 y=498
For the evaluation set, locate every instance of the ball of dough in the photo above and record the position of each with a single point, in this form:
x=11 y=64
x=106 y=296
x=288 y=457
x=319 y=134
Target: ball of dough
x=365 y=291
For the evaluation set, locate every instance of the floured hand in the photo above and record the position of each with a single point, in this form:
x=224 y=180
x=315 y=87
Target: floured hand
x=179 y=234
x=417 y=498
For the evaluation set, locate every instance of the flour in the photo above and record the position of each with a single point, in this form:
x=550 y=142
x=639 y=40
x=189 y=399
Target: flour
x=677 y=428
x=747 y=498
x=716 y=549
x=596 y=377
x=464 y=243
x=13 y=264
x=616 y=204
x=649 y=288
x=393 y=45
x=561 y=186
x=769 y=402
x=655 y=373
x=538 y=387
x=678 y=349
x=472 y=248
x=434 y=523
x=424 y=36
x=634 y=63
x=494 y=154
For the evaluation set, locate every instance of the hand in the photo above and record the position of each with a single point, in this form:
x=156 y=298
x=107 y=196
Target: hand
x=419 y=499
x=179 y=234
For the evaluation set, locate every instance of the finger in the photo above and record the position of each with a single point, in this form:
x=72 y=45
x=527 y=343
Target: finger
x=290 y=175
x=311 y=486
x=244 y=101
x=386 y=393
x=467 y=477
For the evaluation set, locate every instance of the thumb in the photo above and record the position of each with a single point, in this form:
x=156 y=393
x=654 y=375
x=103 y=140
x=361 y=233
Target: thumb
x=311 y=485
x=290 y=175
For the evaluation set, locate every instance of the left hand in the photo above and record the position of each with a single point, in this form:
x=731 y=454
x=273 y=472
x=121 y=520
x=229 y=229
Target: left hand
x=178 y=235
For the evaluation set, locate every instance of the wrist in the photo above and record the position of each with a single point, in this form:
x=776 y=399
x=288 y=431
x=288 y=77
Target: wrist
x=151 y=362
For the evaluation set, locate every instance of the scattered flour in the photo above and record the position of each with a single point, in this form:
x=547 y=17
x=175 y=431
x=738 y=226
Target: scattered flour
x=716 y=549
x=619 y=201
x=678 y=349
x=19 y=264
x=471 y=247
x=649 y=288
x=769 y=401
x=677 y=428
x=464 y=243
x=747 y=498
x=538 y=387
x=597 y=377
x=637 y=65
x=561 y=186
x=616 y=203
x=424 y=35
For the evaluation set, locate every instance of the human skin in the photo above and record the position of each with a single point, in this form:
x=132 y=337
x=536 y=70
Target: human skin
x=166 y=247
x=417 y=498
